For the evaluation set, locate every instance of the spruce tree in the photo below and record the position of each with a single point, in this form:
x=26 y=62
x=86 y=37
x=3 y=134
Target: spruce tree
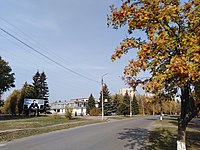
x=115 y=104
x=135 y=106
x=122 y=109
x=106 y=96
x=40 y=86
x=36 y=85
x=126 y=103
x=91 y=104
x=44 y=90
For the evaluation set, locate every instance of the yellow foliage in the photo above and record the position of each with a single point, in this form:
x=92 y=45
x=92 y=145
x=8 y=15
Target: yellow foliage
x=172 y=51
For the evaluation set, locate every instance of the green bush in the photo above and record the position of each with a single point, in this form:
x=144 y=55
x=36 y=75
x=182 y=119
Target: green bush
x=94 y=112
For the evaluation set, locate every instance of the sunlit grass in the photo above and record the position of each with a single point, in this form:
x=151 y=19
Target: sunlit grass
x=33 y=122
x=164 y=135
x=22 y=127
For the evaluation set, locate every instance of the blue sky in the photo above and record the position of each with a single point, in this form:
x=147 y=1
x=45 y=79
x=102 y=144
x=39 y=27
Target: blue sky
x=74 y=34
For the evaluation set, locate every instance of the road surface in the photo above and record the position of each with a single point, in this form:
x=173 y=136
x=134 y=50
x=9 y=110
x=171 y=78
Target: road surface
x=114 y=135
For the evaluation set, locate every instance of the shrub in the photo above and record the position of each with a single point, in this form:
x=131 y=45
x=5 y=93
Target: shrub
x=55 y=116
x=94 y=112
x=68 y=112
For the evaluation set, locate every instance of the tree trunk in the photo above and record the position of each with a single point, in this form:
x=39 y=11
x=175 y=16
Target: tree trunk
x=181 y=145
x=161 y=114
x=143 y=108
x=182 y=122
x=153 y=110
x=161 y=111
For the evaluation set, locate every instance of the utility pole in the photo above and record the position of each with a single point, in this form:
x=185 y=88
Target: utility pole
x=102 y=100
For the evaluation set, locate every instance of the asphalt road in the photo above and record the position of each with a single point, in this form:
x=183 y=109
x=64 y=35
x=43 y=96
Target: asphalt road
x=114 y=135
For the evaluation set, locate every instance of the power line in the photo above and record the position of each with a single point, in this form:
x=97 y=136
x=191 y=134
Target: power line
x=30 y=38
x=52 y=60
x=38 y=45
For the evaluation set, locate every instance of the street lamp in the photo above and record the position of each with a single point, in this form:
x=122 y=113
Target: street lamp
x=102 y=101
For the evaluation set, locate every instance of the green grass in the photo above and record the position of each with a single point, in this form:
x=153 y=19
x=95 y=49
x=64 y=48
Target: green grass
x=125 y=117
x=164 y=135
x=37 y=125
x=33 y=122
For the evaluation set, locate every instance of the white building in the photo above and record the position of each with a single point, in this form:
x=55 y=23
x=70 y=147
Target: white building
x=130 y=91
x=58 y=107
x=78 y=105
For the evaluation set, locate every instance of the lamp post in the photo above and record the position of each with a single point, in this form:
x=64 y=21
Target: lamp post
x=102 y=100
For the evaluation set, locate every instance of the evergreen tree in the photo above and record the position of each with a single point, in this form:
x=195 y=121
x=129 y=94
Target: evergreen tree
x=44 y=90
x=36 y=85
x=122 y=109
x=40 y=86
x=135 y=106
x=126 y=103
x=106 y=96
x=91 y=104
x=6 y=77
x=115 y=104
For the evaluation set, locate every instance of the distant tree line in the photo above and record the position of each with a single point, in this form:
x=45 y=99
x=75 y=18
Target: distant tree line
x=144 y=105
x=120 y=104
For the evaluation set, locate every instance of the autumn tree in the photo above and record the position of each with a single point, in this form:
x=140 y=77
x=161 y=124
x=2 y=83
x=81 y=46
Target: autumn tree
x=10 y=106
x=25 y=92
x=141 y=100
x=197 y=92
x=169 y=49
x=6 y=77
x=28 y=91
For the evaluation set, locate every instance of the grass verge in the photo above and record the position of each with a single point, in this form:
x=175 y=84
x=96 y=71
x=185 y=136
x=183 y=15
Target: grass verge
x=125 y=117
x=33 y=122
x=37 y=125
x=164 y=135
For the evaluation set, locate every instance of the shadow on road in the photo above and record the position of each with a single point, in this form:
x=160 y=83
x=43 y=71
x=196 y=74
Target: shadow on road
x=135 y=138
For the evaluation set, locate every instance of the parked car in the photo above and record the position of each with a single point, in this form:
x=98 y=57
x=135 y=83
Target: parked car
x=108 y=113
x=50 y=111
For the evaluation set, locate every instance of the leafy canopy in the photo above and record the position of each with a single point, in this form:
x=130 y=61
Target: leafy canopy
x=171 y=48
